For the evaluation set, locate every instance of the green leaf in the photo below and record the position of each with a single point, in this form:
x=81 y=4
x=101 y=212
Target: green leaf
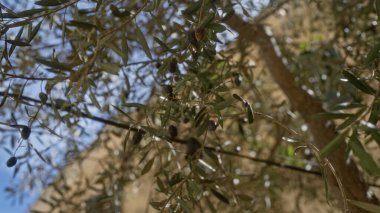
x=49 y=129
x=239 y=98
x=142 y=41
x=27 y=13
x=249 y=113
x=366 y=206
x=22 y=14
x=333 y=145
x=123 y=52
x=221 y=104
x=373 y=53
x=184 y=205
x=122 y=112
x=228 y=15
x=147 y=167
x=160 y=184
x=150 y=7
x=206 y=21
x=347 y=105
x=43 y=97
x=35 y=31
x=326 y=183
x=331 y=115
x=126 y=140
x=95 y=101
x=137 y=105
x=82 y=24
x=18 y=37
x=371 y=129
x=53 y=64
x=194 y=7
x=51 y=2
x=220 y=196
x=17 y=43
x=210 y=205
x=218 y=28
x=199 y=117
x=378 y=8
x=155 y=132
x=203 y=125
x=158 y=205
x=375 y=111
x=351 y=119
x=5 y=96
x=360 y=84
x=111 y=68
x=163 y=45
x=366 y=160
x=39 y=155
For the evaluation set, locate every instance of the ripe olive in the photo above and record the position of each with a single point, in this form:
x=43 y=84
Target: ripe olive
x=212 y=125
x=173 y=68
x=172 y=131
x=137 y=137
x=237 y=80
x=200 y=34
x=193 y=147
x=11 y=161
x=25 y=132
x=186 y=120
x=168 y=89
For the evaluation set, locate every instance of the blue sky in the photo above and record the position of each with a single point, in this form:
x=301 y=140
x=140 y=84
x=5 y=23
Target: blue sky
x=6 y=178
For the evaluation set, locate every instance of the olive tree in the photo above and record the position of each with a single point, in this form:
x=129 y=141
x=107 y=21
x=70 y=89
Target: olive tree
x=185 y=82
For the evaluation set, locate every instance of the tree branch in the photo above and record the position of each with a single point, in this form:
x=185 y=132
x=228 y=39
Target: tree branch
x=175 y=140
x=181 y=141
x=305 y=104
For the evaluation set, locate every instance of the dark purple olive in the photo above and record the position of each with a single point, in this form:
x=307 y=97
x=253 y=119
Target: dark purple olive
x=193 y=147
x=11 y=161
x=212 y=125
x=186 y=120
x=200 y=33
x=173 y=68
x=168 y=89
x=237 y=80
x=137 y=137
x=192 y=39
x=172 y=131
x=25 y=132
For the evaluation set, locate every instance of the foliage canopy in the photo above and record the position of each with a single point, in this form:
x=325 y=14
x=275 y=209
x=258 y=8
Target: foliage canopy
x=184 y=91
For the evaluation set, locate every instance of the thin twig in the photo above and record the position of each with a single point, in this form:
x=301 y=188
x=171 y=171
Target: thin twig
x=26 y=21
x=176 y=140
x=26 y=77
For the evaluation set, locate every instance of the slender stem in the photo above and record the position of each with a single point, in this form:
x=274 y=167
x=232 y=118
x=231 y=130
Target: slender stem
x=176 y=140
x=26 y=77
x=26 y=21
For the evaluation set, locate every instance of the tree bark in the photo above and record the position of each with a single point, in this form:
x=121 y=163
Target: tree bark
x=307 y=105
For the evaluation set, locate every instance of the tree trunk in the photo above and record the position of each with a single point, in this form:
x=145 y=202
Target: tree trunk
x=307 y=105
